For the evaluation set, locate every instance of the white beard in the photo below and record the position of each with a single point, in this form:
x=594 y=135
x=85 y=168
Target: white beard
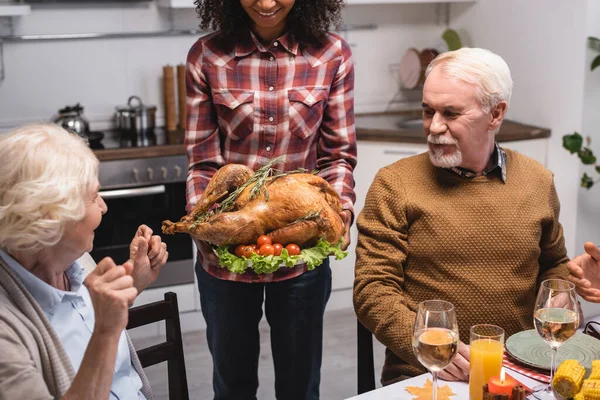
x=437 y=156
x=439 y=159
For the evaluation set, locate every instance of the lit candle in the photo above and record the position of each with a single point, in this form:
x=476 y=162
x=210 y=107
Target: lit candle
x=502 y=384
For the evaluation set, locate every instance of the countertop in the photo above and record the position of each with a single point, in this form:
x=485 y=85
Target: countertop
x=406 y=127
x=398 y=127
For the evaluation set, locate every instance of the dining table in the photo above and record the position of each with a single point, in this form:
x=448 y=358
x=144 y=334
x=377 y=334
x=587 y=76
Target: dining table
x=397 y=391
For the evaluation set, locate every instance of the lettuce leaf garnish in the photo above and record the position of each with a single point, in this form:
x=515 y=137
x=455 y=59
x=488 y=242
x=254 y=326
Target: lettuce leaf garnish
x=313 y=257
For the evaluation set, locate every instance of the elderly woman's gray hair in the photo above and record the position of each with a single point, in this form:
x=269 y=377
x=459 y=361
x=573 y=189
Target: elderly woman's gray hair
x=486 y=70
x=45 y=173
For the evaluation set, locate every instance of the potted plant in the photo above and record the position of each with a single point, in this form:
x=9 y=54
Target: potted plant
x=574 y=141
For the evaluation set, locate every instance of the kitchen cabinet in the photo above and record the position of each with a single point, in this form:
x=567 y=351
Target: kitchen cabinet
x=14 y=10
x=190 y=3
x=372 y=156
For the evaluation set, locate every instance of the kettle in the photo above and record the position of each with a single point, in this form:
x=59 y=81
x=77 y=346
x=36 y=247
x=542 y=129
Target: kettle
x=71 y=118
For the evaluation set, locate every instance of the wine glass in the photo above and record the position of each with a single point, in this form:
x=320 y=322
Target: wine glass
x=556 y=318
x=435 y=337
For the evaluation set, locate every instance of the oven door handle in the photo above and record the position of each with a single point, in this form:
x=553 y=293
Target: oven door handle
x=120 y=193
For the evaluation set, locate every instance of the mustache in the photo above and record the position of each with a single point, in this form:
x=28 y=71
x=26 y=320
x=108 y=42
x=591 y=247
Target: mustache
x=437 y=139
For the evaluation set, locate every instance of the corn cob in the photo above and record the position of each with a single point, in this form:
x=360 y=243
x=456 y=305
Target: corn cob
x=579 y=396
x=568 y=378
x=595 y=374
x=591 y=390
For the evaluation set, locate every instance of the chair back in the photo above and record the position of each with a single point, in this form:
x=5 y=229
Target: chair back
x=366 y=363
x=171 y=350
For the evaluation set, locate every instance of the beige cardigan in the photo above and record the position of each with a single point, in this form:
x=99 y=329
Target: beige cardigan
x=33 y=362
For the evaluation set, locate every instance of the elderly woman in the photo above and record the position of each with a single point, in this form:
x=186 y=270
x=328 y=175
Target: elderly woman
x=62 y=334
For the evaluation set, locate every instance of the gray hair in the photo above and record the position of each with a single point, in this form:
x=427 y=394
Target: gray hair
x=45 y=174
x=486 y=70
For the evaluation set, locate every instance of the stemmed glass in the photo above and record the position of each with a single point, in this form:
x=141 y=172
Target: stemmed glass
x=556 y=319
x=435 y=337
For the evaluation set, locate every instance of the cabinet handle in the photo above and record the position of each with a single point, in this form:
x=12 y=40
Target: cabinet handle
x=120 y=193
x=400 y=152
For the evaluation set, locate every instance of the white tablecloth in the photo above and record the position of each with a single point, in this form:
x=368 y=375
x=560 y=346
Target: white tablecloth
x=461 y=389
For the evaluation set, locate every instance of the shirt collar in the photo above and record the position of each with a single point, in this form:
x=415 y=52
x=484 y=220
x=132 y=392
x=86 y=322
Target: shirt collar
x=248 y=43
x=498 y=163
x=48 y=297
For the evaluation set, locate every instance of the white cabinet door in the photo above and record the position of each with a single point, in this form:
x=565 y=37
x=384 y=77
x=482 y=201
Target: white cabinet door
x=372 y=156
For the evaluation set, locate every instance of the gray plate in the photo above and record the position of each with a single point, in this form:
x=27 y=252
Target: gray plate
x=529 y=348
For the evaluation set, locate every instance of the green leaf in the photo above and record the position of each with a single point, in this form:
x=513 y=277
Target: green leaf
x=587 y=156
x=593 y=43
x=586 y=181
x=573 y=142
x=598 y=169
x=313 y=257
x=452 y=39
x=595 y=63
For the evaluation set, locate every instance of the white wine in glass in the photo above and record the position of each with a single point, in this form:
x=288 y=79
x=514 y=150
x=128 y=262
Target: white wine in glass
x=556 y=319
x=435 y=337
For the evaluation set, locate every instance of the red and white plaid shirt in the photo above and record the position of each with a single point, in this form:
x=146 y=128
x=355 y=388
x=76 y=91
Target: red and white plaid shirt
x=259 y=102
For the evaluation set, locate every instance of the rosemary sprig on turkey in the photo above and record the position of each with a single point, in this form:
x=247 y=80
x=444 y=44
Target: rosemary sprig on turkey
x=259 y=181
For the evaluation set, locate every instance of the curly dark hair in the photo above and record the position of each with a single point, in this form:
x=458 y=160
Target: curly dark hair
x=308 y=20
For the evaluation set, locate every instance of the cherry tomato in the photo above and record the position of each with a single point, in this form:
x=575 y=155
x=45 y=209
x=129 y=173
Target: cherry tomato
x=277 y=249
x=266 y=250
x=264 y=239
x=293 y=249
x=247 y=251
x=254 y=246
x=239 y=250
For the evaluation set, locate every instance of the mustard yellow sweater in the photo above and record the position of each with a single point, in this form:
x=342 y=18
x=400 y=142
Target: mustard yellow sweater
x=481 y=244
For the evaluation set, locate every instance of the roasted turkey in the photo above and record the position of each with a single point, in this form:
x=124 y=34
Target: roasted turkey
x=295 y=208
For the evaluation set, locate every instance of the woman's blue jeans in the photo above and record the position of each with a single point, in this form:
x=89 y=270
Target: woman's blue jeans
x=294 y=309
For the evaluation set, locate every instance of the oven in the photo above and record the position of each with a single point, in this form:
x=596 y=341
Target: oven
x=145 y=191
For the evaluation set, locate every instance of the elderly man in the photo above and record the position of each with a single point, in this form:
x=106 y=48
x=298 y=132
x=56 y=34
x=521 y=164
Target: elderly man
x=469 y=222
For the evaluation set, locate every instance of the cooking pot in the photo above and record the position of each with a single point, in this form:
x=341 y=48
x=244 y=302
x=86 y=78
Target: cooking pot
x=71 y=118
x=136 y=122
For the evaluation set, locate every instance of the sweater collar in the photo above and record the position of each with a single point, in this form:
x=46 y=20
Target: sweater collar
x=498 y=164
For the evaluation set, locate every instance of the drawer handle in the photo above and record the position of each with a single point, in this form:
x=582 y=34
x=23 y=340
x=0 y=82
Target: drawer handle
x=120 y=193
x=400 y=152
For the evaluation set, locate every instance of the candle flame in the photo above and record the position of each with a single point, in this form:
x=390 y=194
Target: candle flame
x=502 y=375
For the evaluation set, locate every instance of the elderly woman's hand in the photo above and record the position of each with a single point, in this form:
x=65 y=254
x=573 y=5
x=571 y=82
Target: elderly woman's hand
x=112 y=292
x=149 y=254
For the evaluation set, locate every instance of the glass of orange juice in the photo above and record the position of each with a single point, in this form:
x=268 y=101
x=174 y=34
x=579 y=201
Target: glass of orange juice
x=487 y=347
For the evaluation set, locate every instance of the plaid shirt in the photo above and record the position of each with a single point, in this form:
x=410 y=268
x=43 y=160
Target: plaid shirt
x=259 y=102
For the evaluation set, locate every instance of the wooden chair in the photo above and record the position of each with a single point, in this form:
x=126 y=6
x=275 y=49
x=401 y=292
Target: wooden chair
x=366 y=364
x=171 y=350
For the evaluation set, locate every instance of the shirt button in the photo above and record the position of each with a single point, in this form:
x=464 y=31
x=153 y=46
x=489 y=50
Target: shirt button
x=271 y=119
x=275 y=44
x=271 y=58
x=268 y=148
x=271 y=88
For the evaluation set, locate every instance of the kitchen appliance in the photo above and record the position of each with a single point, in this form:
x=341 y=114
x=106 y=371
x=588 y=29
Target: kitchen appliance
x=71 y=118
x=144 y=191
x=136 y=122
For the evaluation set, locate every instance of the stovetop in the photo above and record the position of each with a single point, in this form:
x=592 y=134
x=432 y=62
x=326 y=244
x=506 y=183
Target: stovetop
x=115 y=139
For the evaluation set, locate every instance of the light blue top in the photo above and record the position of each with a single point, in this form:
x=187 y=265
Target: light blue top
x=72 y=317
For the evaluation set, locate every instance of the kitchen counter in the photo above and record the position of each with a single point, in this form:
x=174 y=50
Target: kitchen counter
x=399 y=127
x=406 y=127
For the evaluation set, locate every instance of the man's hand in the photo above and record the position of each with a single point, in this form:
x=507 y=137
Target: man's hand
x=207 y=256
x=584 y=272
x=148 y=254
x=112 y=292
x=346 y=216
x=459 y=369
